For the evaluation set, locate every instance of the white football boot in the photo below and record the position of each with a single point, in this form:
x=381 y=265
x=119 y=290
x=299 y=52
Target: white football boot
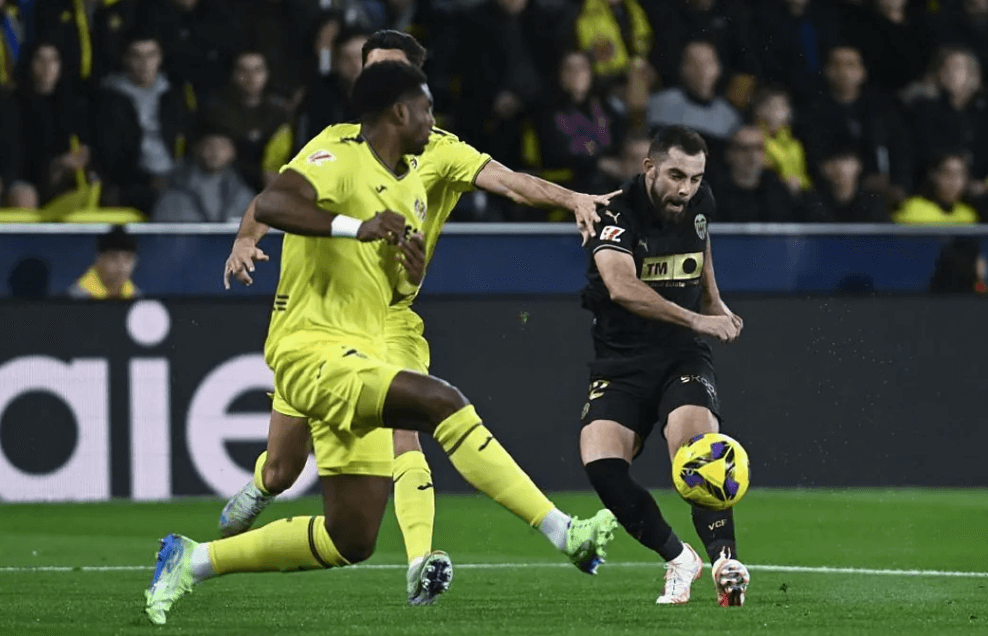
x=680 y=574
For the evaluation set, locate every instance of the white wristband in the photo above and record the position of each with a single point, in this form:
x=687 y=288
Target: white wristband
x=345 y=226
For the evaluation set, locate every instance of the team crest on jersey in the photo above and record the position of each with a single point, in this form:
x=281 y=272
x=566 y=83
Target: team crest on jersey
x=701 y=226
x=611 y=233
x=320 y=157
x=420 y=210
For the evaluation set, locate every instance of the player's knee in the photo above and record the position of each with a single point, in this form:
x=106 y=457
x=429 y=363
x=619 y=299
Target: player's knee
x=442 y=400
x=279 y=474
x=352 y=546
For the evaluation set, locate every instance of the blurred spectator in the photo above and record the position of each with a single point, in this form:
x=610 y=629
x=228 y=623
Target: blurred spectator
x=958 y=118
x=941 y=201
x=109 y=276
x=893 y=27
x=961 y=269
x=614 y=32
x=28 y=279
x=143 y=126
x=841 y=193
x=328 y=101
x=784 y=153
x=12 y=37
x=580 y=128
x=276 y=29
x=745 y=191
x=506 y=57
x=56 y=119
x=324 y=37
x=793 y=35
x=197 y=40
x=851 y=114
x=726 y=23
x=91 y=34
x=634 y=149
x=966 y=25
x=256 y=120
x=696 y=103
x=207 y=190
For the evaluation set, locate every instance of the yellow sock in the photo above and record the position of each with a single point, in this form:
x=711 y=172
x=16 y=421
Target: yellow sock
x=259 y=473
x=415 y=502
x=483 y=462
x=285 y=545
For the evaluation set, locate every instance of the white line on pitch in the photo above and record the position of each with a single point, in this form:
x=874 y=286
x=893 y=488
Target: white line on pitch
x=496 y=566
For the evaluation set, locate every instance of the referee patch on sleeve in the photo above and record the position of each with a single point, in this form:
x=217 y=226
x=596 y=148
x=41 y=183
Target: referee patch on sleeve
x=611 y=233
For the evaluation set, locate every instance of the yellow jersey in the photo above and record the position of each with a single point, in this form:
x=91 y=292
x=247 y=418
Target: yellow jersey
x=340 y=289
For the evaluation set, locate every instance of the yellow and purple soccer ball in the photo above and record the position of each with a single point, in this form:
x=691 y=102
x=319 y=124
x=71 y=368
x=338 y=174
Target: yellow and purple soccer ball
x=712 y=471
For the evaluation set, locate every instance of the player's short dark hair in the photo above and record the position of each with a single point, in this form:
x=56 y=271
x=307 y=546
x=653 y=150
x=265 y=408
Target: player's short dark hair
x=383 y=85
x=390 y=39
x=116 y=240
x=669 y=137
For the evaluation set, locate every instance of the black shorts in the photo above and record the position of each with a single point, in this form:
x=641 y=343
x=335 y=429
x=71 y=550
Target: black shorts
x=641 y=392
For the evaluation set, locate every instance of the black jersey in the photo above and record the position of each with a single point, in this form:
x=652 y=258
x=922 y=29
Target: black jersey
x=668 y=257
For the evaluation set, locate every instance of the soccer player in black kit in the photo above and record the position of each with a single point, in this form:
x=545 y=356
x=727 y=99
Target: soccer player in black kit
x=653 y=294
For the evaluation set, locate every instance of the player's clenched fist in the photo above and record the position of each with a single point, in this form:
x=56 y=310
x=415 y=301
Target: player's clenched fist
x=412 y=257
x=386 y=225
x=724 y=328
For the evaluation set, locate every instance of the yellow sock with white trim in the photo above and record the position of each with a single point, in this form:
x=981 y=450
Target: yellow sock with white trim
x=483 y=462
x=415 y=502
x=285 y=545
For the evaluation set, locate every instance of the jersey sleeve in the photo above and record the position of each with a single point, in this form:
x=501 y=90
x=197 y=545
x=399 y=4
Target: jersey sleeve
x=322 y=165
x=614 y=232
x=458 y=162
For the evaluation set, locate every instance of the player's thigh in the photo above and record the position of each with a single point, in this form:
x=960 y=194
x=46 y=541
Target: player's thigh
x=420 y=402
x=689 y=405
x=288 y=435
x=354 y=506
x=615 y=421
x=606 y=439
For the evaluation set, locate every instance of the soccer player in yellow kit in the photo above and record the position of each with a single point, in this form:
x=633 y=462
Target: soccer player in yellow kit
x=328 y=353
x=448 y=168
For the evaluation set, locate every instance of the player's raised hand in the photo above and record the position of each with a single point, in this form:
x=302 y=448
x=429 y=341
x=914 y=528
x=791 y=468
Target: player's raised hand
x=724 y=328
x=412 y=257
x=585 y=211
x=386 y=225
x=241 y=261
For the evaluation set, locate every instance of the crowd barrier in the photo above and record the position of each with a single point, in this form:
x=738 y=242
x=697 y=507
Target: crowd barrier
x=180 y=260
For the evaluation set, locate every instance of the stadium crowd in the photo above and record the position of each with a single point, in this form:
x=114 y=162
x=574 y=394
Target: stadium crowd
x=814 y=110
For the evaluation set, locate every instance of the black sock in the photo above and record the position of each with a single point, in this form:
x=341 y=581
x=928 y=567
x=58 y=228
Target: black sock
x=716 y=529
x=633 y=506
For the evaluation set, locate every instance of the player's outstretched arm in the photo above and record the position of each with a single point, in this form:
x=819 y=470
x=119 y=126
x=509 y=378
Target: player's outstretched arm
x=535 y=192
x=713 y=305
x=245 y=252
x=617 y=269
x=289 y=204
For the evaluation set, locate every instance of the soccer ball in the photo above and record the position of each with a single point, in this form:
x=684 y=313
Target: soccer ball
x=712 y=471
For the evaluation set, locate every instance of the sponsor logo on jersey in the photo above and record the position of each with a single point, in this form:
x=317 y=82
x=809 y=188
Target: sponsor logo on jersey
x=613 y=215
x=320 y=157
x=597 y=388
x=674 y=267
x=611 y=233
x=700 y=223
x=420 y=210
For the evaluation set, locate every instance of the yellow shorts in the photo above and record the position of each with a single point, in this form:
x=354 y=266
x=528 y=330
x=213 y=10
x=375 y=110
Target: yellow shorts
x=406 y=346
x=341 y=391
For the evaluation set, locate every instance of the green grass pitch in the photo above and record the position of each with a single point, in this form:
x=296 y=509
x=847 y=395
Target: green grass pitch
x=509 y=581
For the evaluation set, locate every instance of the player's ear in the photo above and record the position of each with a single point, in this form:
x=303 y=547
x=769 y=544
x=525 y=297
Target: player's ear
x=402 y=113
x=647 y=164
